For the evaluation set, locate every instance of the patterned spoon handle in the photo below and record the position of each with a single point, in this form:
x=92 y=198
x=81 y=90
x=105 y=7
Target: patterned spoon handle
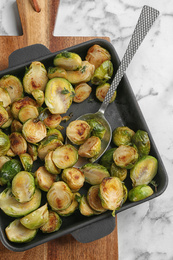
x=147 y=17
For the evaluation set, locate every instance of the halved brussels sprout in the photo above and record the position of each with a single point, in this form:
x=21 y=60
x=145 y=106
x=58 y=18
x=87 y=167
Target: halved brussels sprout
x=13 y=208
x=85 y=208
x=78 y=131
x=10 y=118
x=144 y=170
x=13 y=85
x=107 y=158
x=9 y=170
x=19 y=103
x=53 y=224
x=90 y=148
x=58 y=95
x=96 y=55
x=38 y=95
x=59 y=196
x=34 y=130
x=23 y=186
x=84 y=74
x=32 y=150
x=71 y=209
x=4 y=97
x=122 y=136
x=103 y=73
x=74 y=178
x=52 y=120
x=35 y=77
x=44 y=179
x=119 y=172
x=27 y=161
x=16 y=126
x=65 y=156
x=94 y=200
x=82 y=92
x=142 y=142
x=125 y=156
x=3 y=159
x=56 y=132
x=102 y=90
x=36 y=219
x=140 y=192
x=97 y=129
x=94 y=173
x=111 y=193
x=49 y=164
x=68 y=60
x=27 y=112
x=4 y=143
x=3 y=116
x=17 y=233
x=10 y=153
x=17 y=143
x=57 y=72
x=48 y=144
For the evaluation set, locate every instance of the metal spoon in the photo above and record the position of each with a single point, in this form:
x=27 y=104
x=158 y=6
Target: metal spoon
x=147 y=17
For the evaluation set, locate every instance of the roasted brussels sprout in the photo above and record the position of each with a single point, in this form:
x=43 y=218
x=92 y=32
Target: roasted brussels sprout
x=19 y=103
x=3 y=159
x=10 y=153
x=111 y=193
x=90 y=148
x=78 y=131
x=38 y=96
x=74 y=178
x=36 y=219
x=68 y=60
x=85 y=208
x=59 y=196
x=49 y=164
x=9 y=170
x=35 y=77
x=52 y=120
x=49 y=143
x=13 y=85
x=13 y=208
x=16 y=126
x=23 y=186
x=27 y=112
x=27 y=161
x=3 y=116
x=122 y=136
x=44 y=179
x=65 y=156
x=97 y=129
x=82 y=92
x=71 y=209
x=56 y=132
x=142 y=142
x=94 y=173
x=10 y=118
x=94 y=200
x=140 y=192
x=4 y=97
x=103 y=73
x=107 y=158
x=58 y=95
x=125 y=156
x=34 y=130
x=4 y=143
x=96 y=55
x=84 y=74
x=32 y=150
x=102 y=90
x=53 y=224
x=119 y=172
x=144 y=170
x=17 y=143
x=17 y=233
x=56 y=72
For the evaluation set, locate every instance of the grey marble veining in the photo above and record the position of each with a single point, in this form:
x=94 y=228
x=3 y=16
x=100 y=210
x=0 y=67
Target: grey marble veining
x=144 y=232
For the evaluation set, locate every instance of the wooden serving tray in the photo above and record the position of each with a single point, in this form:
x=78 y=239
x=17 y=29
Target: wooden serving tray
x=38 y=28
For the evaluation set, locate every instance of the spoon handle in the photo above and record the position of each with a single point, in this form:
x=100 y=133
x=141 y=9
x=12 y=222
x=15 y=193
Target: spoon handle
x=147 y=17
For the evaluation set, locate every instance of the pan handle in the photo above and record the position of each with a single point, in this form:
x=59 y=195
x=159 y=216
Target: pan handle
x=95 y=230
x=27 y=54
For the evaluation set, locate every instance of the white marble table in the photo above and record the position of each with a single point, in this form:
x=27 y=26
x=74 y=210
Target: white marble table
x=144 y=232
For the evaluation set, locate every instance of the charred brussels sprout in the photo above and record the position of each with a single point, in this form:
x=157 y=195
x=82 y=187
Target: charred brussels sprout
x=82 y=92
x=27 y=161
x=58 y=95
x=142 y=142
x=90 y=148
x=44 y=179
x=144 y=170
x=35 y=77
x=140 y=192
x=9 y=120
x=119 y=172
x=125 y=156
x=19 y=103
x=17 y=233
x=94 y=200
x=27 y=112
x=16 y=126
x=56 y=72
x=71 y=209
x=3 y=116
x=97 y=129
x=94 y=173
x=107 y=158
x=18 y=143
x=23 y=186
x=78 y=131
x=103 y=73
x=53 y=224
x=49 y=164
x=9 y=170
x=4 y=97
x=85 y=208
x=56 y=132
x=74 y=178
x=102 y=90
x=122 y=135
x=68 y=60
x=32 y=151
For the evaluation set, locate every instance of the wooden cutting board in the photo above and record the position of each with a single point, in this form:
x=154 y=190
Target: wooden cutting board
x=38 y=28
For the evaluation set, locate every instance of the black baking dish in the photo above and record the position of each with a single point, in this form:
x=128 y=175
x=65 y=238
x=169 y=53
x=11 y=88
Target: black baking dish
x=123 y=111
